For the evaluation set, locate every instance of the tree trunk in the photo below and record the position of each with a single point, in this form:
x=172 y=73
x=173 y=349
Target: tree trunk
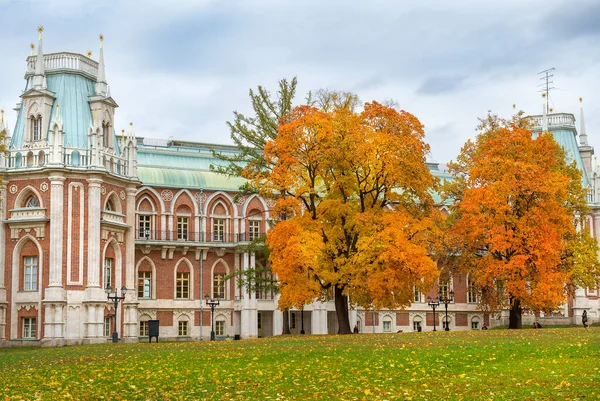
x=286 y=322
x=514 y=321
x=341 y=311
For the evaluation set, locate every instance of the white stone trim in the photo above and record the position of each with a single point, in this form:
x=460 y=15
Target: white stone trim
x=80 y=187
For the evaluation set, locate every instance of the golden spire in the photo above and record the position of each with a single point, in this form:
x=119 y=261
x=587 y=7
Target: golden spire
x=89 y=53
x=40 y=30
x=544 y=94
x=32 y=47
x=551 y=109
x=2 y=116
x=122 y=136
x=101 y=40
x=580 y=100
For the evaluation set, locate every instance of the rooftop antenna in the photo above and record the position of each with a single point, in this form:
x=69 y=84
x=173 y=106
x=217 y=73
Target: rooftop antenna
x=547 y=76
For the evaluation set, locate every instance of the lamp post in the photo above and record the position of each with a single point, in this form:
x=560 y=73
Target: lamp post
x=302 y=320
x=212 y=303
x=115 y=298
x=446 y=299
x=433 y=303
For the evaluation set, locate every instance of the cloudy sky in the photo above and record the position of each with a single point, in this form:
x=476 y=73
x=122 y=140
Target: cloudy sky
x=179 y=68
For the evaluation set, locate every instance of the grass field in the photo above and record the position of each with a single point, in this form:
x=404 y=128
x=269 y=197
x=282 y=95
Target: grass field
x=546 y=364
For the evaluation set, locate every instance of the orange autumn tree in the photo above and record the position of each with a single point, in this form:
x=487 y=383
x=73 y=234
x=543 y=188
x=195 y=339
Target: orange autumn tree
x=517 y=206
x=358 y=208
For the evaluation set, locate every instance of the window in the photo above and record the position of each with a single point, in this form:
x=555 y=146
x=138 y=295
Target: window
x=218 y=229
x=220 y=327
x=183 y=328
x=144 y=226
x=32 y=202
x=444 y=288
x=108 y=262
x=144 y=285
x=387 y=326
x=109 y=207
x=253 y=229
x=219 y=286
x=36 y=128
x=144 y=328
x=475 y=323
x=182 y=228
x=31 y=273
x=417 y=294
x=292 y=320
x=183 y=286
x=107 y=326
x=29 y=327
x=471 y=292
x=259 y=323
x=417 y=324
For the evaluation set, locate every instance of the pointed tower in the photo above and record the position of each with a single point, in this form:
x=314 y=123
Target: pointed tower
x=39 y=79
x=101 y=85
x=544 y=115
x=586 y=151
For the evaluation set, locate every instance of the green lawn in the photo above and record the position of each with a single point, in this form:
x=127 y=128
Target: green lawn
x=546 y=364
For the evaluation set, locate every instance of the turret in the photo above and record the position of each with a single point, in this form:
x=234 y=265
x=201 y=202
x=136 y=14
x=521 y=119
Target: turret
x=101 y=85
x=586 y=151
x=39 y=78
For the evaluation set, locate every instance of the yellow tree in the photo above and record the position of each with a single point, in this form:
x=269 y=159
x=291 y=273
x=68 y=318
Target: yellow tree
x=518 y=205
x=357 y=197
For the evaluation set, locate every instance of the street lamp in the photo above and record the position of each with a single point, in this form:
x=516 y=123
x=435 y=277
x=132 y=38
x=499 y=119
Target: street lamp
x=212 y=303
x=115 y=298
x=446 y=299
x=433 y=303
x=302 y=318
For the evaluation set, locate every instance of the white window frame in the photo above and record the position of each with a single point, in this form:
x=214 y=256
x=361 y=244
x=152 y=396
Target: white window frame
x=145 y=284
x=107 y=270
x=471 y=295
x=180 y=294
x=36 y=128
x=477 y=321
x=106 y=326
x=183 y=328
x=144 y=226
x=417 y=295
x=29 y=327
x=220 y=327
x=218 y=229
x=417 y=323
x=30 y=273
x=218 y=285
x=183 y=228
x=448 y=285
x=387 y=326
x=144 y=328
x=253 y=229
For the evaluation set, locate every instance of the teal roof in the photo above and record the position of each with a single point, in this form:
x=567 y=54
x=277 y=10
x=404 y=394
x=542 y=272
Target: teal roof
x=182 y=168
x=568 y=140
x=72 y=93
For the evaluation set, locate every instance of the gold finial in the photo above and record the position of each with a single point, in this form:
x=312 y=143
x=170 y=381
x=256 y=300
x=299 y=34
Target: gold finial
x=40 y=29
x=514 y=106
x=101 y=40
x=543 y=94
x=580 y=100
x=57 y=106
x=32 y=46
x=551 y=109
x=89 y=53
x=2 y=113
x=122 y=136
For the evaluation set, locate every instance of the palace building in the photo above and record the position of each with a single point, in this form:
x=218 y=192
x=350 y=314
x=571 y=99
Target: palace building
x=83 y=207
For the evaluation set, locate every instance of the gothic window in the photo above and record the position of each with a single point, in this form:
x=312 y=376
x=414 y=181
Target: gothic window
x=417 y=324
x=444 y=288
x=219 y=285
x=182 y=286
x=144 y=226
x=218 y=229
x=387 y=326
x=109 y=207
x=107 y=326
x=417 y=296
x=475 y=323
x=144 y=328
x=145 y=285
x=29 y=327
x=30 y=273
x=32 y=202
x=36 y=128
x=471 y=291
x=182 y=228
x=108 y=263
x=253 y=229
x=220 y=327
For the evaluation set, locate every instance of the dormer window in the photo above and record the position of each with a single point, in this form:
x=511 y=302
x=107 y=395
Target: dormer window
x=36 y=128
x=32 y=202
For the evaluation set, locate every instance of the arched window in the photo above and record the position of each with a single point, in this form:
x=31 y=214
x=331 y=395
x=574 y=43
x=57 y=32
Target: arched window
x=109 y=206
x=36 y=128
x=183 y=327
x=475 y=323
x=417 y=323
x=32 y=202
x=41 y=158
x=220 y=326
x=471 y=291
x=387 y=325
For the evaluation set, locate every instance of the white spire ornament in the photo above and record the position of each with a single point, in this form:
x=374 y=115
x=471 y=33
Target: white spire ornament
x=101 y=86
x=39 y=79
x=544 y=115
x=583 y=141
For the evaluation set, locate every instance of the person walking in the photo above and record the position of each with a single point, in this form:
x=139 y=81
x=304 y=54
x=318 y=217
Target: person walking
x=584 y=319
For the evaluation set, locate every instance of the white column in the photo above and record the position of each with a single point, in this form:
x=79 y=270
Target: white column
x=130 y=305
x=3 y=209
x=93 y=278
x=245 y=323
x=57 y=201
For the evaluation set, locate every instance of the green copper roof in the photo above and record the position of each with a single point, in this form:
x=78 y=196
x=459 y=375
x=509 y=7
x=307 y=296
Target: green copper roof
x=72 y=93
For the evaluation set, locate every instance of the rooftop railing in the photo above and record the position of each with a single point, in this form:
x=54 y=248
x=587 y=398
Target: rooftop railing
x=65 y=61
x=558 y=119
